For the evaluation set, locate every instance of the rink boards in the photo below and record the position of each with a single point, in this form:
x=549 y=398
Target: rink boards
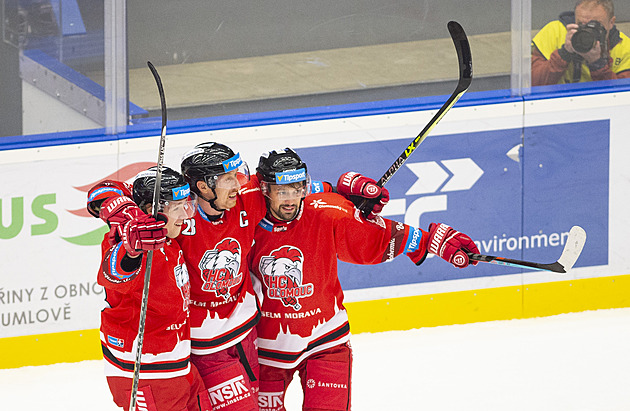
x=515 y=174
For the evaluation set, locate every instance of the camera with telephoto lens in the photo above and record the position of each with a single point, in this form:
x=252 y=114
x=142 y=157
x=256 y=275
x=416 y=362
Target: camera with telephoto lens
x=586 y=35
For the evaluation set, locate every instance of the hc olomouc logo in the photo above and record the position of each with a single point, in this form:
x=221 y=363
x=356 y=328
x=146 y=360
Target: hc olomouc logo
x=220 y=268
x=282 y=274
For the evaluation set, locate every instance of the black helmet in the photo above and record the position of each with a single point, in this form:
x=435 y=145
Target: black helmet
x=207 y=161
x=173 y=186
x=282 y=167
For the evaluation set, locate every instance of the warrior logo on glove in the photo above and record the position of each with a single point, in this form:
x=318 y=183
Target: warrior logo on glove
x=451 y=245
x=363 y=192
x=282 y=272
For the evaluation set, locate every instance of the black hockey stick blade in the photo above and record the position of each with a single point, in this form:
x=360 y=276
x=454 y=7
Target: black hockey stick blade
x=160 y=162
x=149 y=263
x=464 y=58
x=570 y=254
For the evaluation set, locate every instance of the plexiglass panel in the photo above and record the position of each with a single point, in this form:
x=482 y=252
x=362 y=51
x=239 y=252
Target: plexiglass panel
x=221 y=57
x=52 y=61
x=239 y=57
x=599 y=50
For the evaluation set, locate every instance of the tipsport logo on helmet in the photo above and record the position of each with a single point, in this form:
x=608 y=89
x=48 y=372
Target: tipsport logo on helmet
x=177 y=193
x=282 y=274
x=220 y=268
x=232 y=163
x=293 y=176
x=181 y=193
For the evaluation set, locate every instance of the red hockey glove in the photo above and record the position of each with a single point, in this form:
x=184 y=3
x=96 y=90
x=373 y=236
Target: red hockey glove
x=143 y=233
x=116 y=211
x=104 y=190
x=451 y=245
x=358 y=188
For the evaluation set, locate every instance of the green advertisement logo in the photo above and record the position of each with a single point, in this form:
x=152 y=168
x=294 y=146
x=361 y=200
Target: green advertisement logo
x=50 y=220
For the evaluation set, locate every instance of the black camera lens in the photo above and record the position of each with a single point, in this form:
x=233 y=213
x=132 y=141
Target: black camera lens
x=586 y=35
x=583 y=41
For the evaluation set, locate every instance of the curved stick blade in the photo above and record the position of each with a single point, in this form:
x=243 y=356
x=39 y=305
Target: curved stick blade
x=464 y=56
x=573 y=248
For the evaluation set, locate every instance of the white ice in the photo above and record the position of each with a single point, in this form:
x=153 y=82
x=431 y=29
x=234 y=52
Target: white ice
x=569 y=362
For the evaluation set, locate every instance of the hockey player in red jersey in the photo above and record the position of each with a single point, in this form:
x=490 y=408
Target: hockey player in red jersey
x=168 y=381
x=216 y=242
x=304 y=325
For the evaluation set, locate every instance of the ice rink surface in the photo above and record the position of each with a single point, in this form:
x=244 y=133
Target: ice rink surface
x=569 y=362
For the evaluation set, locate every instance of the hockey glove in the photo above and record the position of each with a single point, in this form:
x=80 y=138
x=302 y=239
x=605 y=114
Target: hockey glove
x=116 y=211
x=104 y=190
x=142 y=233
x=363 y=192
x=451 y=245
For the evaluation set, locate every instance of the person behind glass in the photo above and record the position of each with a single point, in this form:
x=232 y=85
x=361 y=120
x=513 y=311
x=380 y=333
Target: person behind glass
x=168 y=380
x=304 y=326
x=582 y=45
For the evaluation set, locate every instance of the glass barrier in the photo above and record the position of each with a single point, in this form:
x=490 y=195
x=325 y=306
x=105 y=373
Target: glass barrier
x=52 y=54
x=598 y=50
x=220 y=58
x=81 y=64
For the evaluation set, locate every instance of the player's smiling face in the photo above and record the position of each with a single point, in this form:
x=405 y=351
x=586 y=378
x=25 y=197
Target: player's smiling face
x=177 y=211
x=227 y=187
x=284 y=200
x=173 y=227
x=224 y=193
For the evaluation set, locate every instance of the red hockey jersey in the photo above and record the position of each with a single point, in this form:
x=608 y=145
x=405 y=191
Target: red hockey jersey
x=223 y=307
x=166 y=343
x=295 y=269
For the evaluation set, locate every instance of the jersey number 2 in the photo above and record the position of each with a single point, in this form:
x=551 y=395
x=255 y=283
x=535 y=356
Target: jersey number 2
x=189 y=228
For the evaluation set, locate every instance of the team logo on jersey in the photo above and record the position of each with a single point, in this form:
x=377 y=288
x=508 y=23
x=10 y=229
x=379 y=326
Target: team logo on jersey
x=282 y=273
x=182 y=280
x=220 y=268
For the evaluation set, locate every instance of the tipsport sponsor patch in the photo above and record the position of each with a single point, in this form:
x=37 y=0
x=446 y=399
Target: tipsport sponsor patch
x=292 y=176
x=232 y=163
x=413 y=241
x=181 y=193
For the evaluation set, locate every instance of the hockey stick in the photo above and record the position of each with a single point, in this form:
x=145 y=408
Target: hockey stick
x=147 y=274
x=572 y=249
x=464 y=58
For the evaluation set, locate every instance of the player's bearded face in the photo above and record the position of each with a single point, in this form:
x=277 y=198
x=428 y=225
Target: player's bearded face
x=284 y=200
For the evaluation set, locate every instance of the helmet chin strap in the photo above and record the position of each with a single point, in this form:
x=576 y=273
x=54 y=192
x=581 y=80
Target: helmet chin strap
x=212 y=201
x=213 y=205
